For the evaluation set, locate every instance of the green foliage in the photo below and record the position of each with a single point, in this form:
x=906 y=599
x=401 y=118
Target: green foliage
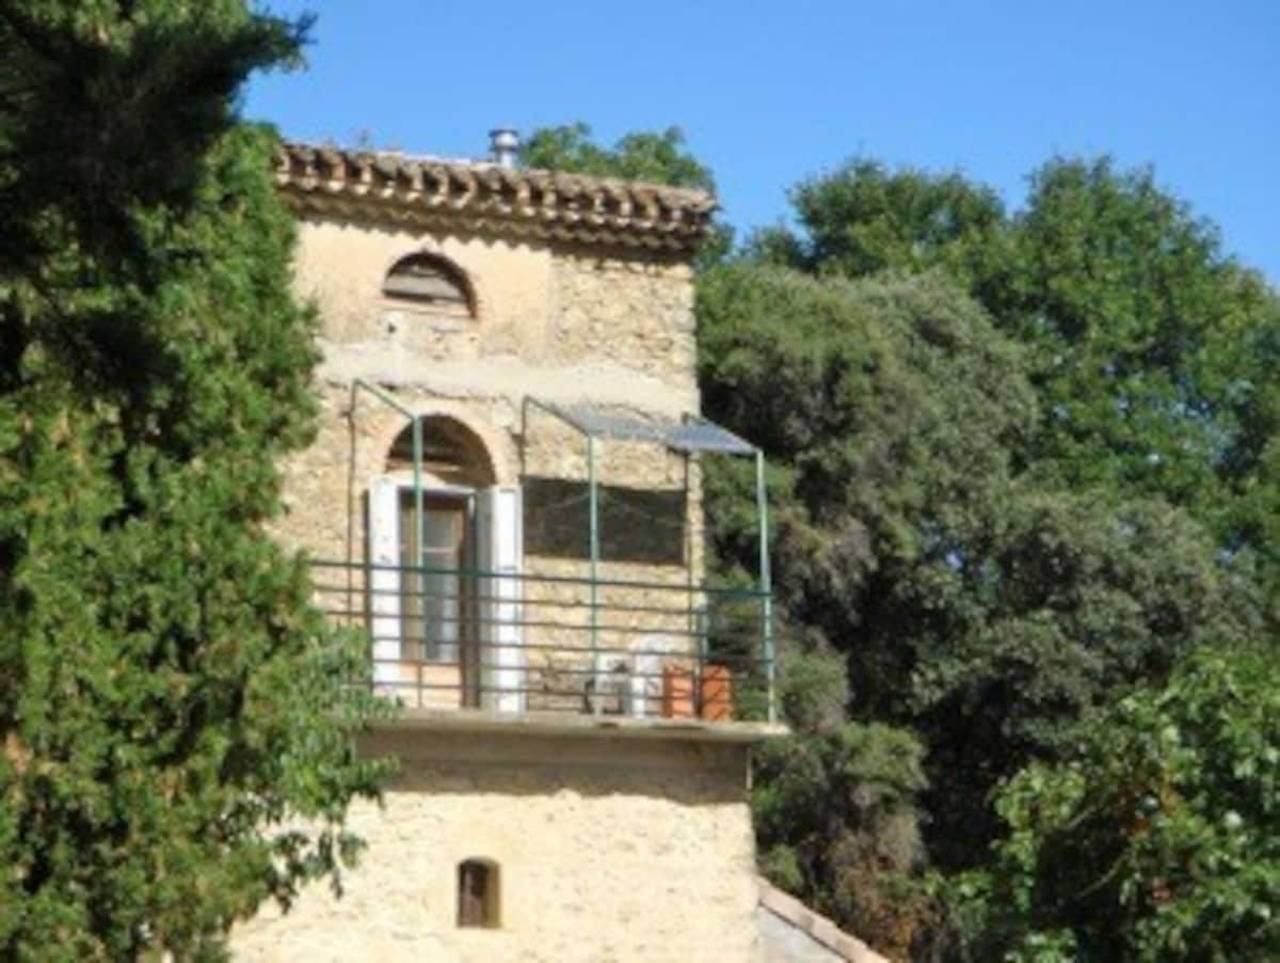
x=863 y=219
x=1019 y=464
x=1066 y=600
x=813 y=687
x=985 y=611
x=1153 y=355
x=836 y=822
x=880 y=404
x=178 y=734
x=659 y=158
x=1160 y=838
x=992 y=587
x=107 y=100
x=1152 y=351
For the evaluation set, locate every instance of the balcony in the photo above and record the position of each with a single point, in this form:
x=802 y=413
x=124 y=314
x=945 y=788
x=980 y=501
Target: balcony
x=542 y=644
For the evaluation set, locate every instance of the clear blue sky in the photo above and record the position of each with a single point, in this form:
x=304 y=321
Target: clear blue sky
x=769 y=93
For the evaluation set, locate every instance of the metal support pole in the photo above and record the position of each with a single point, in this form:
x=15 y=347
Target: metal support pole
x=766 y=586
x=418 y=531
x=593 y=501
x=688 y=543
x=382 y=396
x=351 y=513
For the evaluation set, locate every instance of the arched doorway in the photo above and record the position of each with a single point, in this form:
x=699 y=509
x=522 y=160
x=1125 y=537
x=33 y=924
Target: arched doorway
x=439 y=536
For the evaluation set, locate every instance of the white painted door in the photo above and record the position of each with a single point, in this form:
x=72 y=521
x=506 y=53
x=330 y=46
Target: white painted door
x=384 y=580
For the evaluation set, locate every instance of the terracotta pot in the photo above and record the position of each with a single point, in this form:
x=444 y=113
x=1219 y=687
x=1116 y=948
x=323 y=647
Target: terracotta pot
x=715 y=697
x=677 y=692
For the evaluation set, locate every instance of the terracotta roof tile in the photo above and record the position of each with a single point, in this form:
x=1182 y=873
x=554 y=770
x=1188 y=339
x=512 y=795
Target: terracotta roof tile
x=486 y=198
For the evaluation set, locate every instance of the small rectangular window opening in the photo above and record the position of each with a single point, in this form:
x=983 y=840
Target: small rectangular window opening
x=478 y=894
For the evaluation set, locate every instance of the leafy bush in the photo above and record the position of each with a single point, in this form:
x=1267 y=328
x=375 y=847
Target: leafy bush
x=1160 y=839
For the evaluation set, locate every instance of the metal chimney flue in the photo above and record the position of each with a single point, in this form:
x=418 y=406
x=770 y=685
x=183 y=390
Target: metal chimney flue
x=504 y=145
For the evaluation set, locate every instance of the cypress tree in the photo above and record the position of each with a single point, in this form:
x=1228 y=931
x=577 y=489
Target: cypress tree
x=177 y=720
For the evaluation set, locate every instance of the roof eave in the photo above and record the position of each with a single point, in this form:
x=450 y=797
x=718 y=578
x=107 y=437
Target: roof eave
x=486 y=199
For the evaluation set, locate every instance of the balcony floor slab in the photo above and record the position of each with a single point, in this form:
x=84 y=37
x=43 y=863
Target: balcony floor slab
x=608 y=727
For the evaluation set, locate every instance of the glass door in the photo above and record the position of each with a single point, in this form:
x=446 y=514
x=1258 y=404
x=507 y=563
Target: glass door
x=436 y=593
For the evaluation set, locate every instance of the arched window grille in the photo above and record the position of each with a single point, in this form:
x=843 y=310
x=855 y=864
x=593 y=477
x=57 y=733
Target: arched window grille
x=427 y=281
x=451 y=452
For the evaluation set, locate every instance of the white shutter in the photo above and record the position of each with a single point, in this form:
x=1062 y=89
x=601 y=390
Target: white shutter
x=384 y=582
x=500 y=551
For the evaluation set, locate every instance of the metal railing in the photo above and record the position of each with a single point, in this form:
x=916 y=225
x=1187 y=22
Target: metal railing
x=534 y=642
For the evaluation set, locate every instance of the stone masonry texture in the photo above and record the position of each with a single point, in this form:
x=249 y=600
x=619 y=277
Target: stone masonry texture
x=609 y=852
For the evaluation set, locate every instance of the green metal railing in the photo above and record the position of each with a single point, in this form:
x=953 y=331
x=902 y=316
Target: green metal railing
x=532 y=642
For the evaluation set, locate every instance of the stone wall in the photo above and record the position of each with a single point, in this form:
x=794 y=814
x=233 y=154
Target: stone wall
x=611 y=847
x=552 y=322
x=610 y=850
x=558 y=324
x=637 y=313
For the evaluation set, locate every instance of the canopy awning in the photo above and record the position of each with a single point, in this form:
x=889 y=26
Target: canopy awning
x=688 y=435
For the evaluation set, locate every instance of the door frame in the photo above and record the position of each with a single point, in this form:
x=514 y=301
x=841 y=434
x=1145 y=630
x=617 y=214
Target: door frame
x=489 y=671
x=408 y=676
x=467 y=661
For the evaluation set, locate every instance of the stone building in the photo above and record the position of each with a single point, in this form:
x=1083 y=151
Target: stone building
x=505 y=494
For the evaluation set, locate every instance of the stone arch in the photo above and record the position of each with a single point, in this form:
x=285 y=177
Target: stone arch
x=452 y=452
x=428 y=280
x=386 y=427
x=456 y=261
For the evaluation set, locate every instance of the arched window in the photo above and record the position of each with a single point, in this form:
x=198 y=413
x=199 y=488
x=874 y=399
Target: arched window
x=451 y=452
x=478 y=894
x=431 y=282
x=437 y=595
